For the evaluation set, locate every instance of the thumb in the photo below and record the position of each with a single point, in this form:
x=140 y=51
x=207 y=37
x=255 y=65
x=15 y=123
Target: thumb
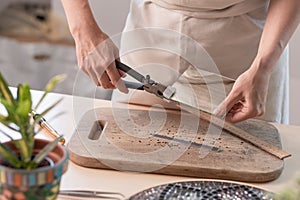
x=121 y=86
x=226 y=105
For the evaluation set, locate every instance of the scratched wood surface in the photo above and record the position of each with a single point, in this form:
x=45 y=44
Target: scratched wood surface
x=172 y=142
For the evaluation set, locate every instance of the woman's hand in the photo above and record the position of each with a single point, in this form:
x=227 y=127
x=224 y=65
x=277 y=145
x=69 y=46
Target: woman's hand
x=247 y=98
x=96 y=53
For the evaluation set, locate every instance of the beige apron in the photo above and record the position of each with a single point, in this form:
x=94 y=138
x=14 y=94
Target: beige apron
x=228 y=30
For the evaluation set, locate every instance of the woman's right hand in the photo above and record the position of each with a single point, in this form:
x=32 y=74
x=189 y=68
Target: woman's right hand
x=96 y=52
x=96 y=55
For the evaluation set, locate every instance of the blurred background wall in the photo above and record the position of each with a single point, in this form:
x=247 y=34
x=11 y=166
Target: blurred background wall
x=111 y=15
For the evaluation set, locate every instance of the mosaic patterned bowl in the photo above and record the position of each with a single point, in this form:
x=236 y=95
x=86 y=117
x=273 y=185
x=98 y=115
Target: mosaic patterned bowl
x=203 y=190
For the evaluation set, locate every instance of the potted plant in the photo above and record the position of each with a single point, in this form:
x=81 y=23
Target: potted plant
x=30 y=168
x=291 y=193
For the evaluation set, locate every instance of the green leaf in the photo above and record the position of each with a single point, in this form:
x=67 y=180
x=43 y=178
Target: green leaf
x=18 y=119
x=24 y=100
x=287 y=195
x=24 y=107
x=54 y=81
x=298 y=182
x=7 y=123
x=25 y=148
x=5 y=92
x=2 y=117
x=23 y=92
x=9 y=156
x=10 y=108
x=46 y=150
x=50 y=86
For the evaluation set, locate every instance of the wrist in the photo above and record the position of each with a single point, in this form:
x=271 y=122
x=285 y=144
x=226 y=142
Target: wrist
x=85 y=30
x=89 y=38
x=80 y=18
x=268 y=55
x=263 y=64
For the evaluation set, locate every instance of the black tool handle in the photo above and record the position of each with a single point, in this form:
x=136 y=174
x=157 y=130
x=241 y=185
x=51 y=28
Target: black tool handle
x=137 y=76
x=134 y=85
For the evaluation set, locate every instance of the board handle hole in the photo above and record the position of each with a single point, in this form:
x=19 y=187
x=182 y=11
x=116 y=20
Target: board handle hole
x=97 y=129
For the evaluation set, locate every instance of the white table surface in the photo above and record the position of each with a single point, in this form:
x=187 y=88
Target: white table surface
x=128 y=183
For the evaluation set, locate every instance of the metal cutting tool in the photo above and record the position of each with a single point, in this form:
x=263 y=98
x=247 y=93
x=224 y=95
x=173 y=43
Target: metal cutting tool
x=169 y=93
x=180 y=96
x=146 y=83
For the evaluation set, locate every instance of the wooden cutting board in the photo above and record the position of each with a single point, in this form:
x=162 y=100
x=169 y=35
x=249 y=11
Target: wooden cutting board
x=170 y=142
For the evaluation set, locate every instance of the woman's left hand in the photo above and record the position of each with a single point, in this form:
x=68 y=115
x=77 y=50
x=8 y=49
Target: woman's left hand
x=247 y=99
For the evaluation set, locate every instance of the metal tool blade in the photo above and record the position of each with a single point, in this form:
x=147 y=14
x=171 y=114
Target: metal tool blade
x=164 y=137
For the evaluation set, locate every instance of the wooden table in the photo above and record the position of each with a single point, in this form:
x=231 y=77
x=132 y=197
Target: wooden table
x=128 y=183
